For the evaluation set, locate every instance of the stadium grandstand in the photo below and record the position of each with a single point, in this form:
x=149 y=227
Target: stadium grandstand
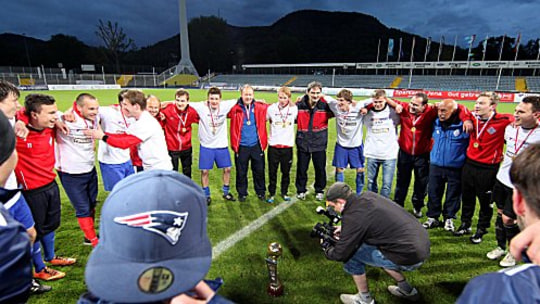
x=504 y=76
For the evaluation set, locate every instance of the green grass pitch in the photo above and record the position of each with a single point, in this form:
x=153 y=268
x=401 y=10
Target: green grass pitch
x=306 y=274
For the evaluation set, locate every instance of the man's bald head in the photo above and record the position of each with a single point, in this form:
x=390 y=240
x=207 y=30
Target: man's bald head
x=447 y=107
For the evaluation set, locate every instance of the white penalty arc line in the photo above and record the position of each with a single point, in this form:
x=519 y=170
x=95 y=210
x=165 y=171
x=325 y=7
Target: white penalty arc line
x=229 y=242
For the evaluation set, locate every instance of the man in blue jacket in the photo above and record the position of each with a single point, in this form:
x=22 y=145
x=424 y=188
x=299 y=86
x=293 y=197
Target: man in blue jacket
x=447 y=158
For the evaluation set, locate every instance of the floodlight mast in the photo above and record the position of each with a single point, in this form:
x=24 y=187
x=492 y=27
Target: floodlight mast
x=185 y=66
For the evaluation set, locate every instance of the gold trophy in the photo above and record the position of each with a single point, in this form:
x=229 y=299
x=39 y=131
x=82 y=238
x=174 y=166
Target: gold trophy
x=275 y=288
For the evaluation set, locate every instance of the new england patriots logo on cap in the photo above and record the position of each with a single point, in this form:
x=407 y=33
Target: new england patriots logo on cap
x=168 y=224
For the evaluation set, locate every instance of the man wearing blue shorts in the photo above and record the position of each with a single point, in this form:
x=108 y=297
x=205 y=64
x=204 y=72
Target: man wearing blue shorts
x=349 y=151
x=214 y=140
x=396 y=245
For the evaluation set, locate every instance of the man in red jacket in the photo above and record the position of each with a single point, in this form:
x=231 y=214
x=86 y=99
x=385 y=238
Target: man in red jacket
x=35 y=173
x=177 y=120
x=484 y=154
x=249 y=140
x=414 y=141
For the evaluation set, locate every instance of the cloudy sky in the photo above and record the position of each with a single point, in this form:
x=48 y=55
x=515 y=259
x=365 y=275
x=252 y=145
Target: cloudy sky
x=148 y=22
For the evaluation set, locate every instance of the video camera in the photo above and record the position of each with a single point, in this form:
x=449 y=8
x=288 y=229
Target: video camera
x=325 y=231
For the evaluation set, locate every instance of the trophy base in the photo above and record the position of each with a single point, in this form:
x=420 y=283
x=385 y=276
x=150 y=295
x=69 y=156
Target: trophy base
x=275 y=291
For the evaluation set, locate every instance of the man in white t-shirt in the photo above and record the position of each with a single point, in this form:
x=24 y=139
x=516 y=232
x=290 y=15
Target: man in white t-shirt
x=115 y=163
x=214 y=140
x=519 y=136
x=282 y=116
x=348 y=151
x=381 y=145
x=145 y=133
x=74 y=153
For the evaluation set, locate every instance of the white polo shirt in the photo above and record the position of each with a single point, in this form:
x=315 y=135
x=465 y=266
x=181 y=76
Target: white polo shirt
x=517 y=139
x=213 y=123
x=112 y=121
x=153 y=148
x=74 y=152
x=381 y=136
x=282 y=124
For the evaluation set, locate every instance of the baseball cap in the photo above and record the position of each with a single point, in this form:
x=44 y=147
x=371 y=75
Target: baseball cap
x=153 y=243
x=7 y=144
x=338 y=190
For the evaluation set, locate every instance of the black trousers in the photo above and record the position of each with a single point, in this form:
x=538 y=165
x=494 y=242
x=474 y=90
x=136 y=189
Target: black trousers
x=406 y=165
x=319 y=164
x=186 y=159
x=44 y=202
x=241 y=160
x=279 y=157
x=477 y=180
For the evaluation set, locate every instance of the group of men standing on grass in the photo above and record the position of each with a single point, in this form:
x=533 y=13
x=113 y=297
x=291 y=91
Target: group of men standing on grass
x=444 y=145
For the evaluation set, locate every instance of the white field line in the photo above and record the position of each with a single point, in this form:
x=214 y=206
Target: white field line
x=229 y=242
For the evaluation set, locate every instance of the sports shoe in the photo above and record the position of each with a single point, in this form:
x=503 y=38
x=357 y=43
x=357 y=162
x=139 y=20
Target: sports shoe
x=61 y=261
x=261 y=197
x=508 y=261
x=496 y=253
x=319 y=196
x=242 y=198
x=462 y=230
x=270 y=200
x=431 y=223
x=49 y=274
x=37 y=288
x=229 y=197
x=87 y=242
x=355 y=299
x=301 y=196
x=398 y=292
x=417 y=213
x=208 y=200
x=476 y=238
x=449 y=225
x=286 y=197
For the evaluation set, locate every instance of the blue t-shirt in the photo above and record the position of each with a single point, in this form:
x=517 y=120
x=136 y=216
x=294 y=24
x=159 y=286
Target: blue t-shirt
x=248 y=136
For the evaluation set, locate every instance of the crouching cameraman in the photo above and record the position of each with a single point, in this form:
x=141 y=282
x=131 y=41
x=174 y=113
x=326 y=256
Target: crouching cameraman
x=375 y=231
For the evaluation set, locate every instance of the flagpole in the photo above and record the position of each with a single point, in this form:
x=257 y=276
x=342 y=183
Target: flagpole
x=537 y=55
x=472 y=38
x=399 y=54
x=378 y=53
x=412 y=57
x=484 y=51
x=428 y=46
x=518 y=42
x=502 y=48
x=441 y=39
x=453 y=53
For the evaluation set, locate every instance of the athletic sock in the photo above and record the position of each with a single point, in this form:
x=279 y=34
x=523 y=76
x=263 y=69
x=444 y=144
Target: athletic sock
x=48 y=246
x=87 y=227
x=359 y=182
x=500 y=232
x=206 y=191
x=365 y=296
x=36 y=257
x=511 y=231
x=405 y=286
x=340 y=176
x=225 y=189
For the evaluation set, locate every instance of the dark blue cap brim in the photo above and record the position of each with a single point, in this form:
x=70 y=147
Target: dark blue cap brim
x=114 y=279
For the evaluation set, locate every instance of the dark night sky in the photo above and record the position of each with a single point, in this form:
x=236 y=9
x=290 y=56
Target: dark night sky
x=148 y=22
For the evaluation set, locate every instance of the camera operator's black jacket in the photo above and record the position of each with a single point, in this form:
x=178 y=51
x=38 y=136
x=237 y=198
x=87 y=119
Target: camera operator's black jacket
x=375 y=220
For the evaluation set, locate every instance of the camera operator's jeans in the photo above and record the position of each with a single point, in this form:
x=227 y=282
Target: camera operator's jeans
x=370 y=255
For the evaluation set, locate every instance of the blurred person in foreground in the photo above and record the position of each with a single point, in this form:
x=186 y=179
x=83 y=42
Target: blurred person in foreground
x=154 y=246
x=401 y=244
x=15 y=253
x=517 y=284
